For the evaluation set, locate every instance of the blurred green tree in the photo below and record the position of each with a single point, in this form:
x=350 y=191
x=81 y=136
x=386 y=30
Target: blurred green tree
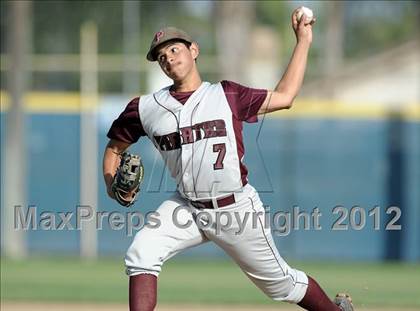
x=374 y=26
x=369 y=27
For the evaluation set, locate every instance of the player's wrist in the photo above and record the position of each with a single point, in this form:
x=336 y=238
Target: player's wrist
x=110 y=193
x=304 y=40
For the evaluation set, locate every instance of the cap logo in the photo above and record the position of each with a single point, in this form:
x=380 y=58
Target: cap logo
x=159 y=35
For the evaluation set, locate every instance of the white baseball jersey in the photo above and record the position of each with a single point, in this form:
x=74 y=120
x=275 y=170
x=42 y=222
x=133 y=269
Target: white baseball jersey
x=196 y=140
x=200 y=140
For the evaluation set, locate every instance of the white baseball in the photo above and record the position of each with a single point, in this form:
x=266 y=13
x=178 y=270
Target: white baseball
x=308 y=13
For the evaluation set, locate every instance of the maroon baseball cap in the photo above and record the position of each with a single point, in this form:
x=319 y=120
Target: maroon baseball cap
x=165 y=35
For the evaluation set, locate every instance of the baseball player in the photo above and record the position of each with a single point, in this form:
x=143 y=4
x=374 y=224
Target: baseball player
x=197 y=128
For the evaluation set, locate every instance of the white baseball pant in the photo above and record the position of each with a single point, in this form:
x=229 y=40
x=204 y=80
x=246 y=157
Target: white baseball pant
x=249 y=243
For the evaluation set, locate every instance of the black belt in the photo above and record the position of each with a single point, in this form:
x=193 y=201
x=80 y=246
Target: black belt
x=209 y=204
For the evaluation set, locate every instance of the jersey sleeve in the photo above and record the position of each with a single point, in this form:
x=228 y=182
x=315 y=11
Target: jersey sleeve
x=127 y=127
x=244 y=101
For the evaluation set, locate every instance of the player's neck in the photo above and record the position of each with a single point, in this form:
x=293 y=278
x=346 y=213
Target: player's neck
x=189 y=84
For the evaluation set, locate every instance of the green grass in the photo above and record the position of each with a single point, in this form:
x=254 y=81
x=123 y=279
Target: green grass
x=200 y=281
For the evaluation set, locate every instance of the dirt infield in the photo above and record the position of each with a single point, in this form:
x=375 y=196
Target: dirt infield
x=37 y=306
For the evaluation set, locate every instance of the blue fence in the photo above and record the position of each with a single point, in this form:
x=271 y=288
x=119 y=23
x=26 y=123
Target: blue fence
x=294 y=163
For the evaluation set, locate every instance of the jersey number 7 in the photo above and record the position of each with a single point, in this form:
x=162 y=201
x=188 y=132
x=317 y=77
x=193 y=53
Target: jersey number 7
x=221 y=149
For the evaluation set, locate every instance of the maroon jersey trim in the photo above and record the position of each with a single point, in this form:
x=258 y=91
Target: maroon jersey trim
x=127 y=127
x=244 y=103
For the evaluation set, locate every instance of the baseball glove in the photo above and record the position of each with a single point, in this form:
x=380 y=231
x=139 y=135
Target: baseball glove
x=127 y=180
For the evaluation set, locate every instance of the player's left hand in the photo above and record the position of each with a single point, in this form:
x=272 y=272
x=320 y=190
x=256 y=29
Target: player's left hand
x=303 y=32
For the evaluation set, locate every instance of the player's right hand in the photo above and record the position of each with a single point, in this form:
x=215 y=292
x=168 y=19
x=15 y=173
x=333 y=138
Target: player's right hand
x=109 y=192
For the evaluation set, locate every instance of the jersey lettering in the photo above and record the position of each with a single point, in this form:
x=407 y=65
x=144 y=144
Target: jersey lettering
x=191 y=134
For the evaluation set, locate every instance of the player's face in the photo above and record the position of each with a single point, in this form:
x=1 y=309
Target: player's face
x=176 y=60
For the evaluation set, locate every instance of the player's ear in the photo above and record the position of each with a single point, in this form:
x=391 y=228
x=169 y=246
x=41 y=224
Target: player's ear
x=195 y=50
